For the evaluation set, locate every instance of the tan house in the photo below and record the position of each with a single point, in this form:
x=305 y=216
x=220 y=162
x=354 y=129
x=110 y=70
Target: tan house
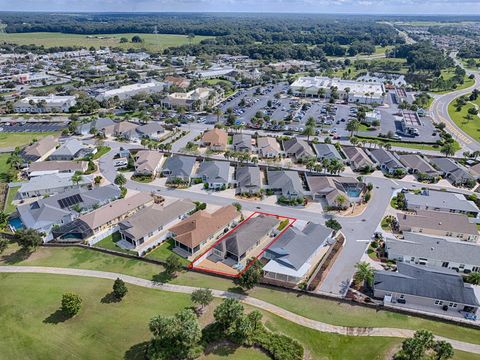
x=121 y=129
x=268 y=147
x=215 y=139
x=148 y=162
x=39 y=150
x=195 y=232
x=54 y=167
x=439 y=224
x=102 y=219
x=177 y=81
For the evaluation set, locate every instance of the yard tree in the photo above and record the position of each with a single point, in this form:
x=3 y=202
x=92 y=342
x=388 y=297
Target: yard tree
x=443 y=350
x=310 y=121
x=120 y=180
x=119 y=288
x=414 y=348
x=353 y=126
x=202 y=297
x=309 y=131
x=28 y=239
x=77 y=177
x=244 y=331
x=448 y=149
x=228 y=313
x=333 y=224
x=474 y=278
x=172 y=265
x=175 y=337
x=364 y=273
x=250 y=277
x=71 y=304
x=256 y=318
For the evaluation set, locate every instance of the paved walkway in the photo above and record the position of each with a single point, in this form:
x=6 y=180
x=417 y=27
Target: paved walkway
x=312 y=324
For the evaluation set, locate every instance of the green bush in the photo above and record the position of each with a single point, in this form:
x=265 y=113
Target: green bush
x=280 y=347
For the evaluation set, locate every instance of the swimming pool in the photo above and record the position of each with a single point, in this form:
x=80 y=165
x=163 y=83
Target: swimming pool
x=353 y=192
x=16 y=223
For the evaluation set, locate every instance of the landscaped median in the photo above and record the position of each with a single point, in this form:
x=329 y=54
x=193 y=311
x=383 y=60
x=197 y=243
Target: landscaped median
x=315 y=308
x=465 y=118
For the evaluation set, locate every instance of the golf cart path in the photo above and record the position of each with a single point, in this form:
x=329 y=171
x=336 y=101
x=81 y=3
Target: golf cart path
x=309 y=323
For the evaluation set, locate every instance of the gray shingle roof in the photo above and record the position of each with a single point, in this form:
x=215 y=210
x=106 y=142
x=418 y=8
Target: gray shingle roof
x=326 y=151
x=299 y=148
x=69 y=149
x=295 y=246
x=248 y=179
x=417 y=163
x=214 y=171
x=386 y=158
x=441 y=199
x=427 y=282
x=434 y=248
x=179 y=166
x=288 y=181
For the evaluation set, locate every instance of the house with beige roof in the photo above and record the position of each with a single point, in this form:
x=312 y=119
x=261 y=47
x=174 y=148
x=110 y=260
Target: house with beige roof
x=123 y=129
x=195 y=232
x=102 y=222
x=268 y=147
x=39 y=150
x=148 y=162
x=196 y=99
x=54 y=167
x=150 y=224
x=439 y=224
x=215 y=139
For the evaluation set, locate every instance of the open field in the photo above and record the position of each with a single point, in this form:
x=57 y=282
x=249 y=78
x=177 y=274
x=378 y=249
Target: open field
x=12 y=140
x=471 y=127
x=151 y=42
x=448 y=74
x=333 y=312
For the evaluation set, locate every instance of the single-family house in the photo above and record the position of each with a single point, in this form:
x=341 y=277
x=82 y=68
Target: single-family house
x=242 y=142
x=192 y=234
x=178 y=167
x=420 y=249
x=51 y=184
x=214 y=173
x=286 y=183
x=456 y=173
x=39 y=150
x=148 y=162
x=54 y=167
x=215 y=139
x=441 y=201
x=425 y=287
x=123 y=129
x=248 y=179
x=326 y=151
x=268 y=147
x=70 y=150
x=99 y=223
x=298 y=149
x=151 y=223
x=295 y=254
x=415 y=164
x=338 y=192
x=439 y=224
x=153 y=131
x=240 y=244
x=387 y=161
x=357 y=158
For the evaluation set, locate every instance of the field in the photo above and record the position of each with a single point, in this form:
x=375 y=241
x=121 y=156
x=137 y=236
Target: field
x=34 y=328
x=449 y=73
x=333 y=312
x=151 y=42
x=12 y=140
x=471 y=127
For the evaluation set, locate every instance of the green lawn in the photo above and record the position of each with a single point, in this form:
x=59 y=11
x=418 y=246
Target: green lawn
x=9 y=207
x=163 y=251
x=4 y=166
x=394 y=143
x=449 y=73
x=101 y=150
x=151 y=42
x=12 y=140
x=332 y=312
x=110 y=243
x=33 y=328
x=471 y=127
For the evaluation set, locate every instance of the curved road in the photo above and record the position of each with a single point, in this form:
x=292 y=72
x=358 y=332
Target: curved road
x=263 y=305
x=439 y=110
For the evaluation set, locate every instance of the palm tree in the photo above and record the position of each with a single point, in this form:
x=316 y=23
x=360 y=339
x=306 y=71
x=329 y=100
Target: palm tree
x=353 y=126
x=77 y=177
x=310 y=121
x=309 y=131
x=218 y=112
x=15 y=160
x=364 y=274
x=474 y=278
x=340 y=200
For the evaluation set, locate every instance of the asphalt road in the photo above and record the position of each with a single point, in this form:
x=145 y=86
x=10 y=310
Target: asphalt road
x=439 y=111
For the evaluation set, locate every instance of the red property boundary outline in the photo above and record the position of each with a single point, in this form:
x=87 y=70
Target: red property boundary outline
x=292 y=221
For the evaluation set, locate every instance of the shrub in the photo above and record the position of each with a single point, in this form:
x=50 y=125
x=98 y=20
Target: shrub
x=280 y=347
x=71 y=304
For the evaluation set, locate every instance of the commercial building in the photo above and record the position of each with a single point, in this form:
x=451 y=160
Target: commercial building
x=44 y=104
x=352 y=91
x=196 y=99
x=127 y=91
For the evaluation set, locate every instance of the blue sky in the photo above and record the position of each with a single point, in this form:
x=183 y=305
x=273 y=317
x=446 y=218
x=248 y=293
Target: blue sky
x=420 y=7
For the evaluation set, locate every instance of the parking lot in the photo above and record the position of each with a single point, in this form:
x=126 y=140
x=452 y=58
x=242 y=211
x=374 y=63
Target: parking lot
x=37 y=127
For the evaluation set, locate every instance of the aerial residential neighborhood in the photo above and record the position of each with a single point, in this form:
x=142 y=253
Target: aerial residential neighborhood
x=240 y=180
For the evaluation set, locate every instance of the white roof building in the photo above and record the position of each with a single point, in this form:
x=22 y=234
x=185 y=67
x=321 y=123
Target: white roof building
x=44 y=104
x=128 y=91
x=353 y=91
